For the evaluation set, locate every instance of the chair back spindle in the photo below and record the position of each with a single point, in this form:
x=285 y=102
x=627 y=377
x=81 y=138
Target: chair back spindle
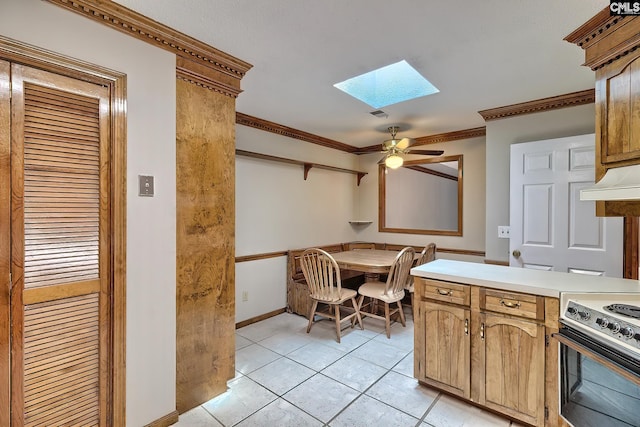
x=322 y=274
x=399 y=272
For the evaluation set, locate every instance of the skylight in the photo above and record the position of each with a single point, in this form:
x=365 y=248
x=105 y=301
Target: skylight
x=388 y=85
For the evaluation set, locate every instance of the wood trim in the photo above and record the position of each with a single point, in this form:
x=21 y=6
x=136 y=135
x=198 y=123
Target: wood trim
x=382 y=227
x=630 y=245
x=496 y=262
x=307 y=165
x=432 y=172
x=165 y=421
x=597 y=29
x=267 y=126
x=67 y=290
x=260 y=317
x=256 y=257
x=539 y=105
x=39 y=58
x=190 y=72
x=5 y=245
x=228 y=69
x=434 y=139
x=594 y=26
x=451 y=136
x=266 y=255
x=119 y=245
x=461 y=251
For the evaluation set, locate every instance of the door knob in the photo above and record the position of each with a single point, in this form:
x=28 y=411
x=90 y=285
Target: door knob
x=516 y=253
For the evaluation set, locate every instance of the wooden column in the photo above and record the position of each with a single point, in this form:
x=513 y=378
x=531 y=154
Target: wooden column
x=205 y=267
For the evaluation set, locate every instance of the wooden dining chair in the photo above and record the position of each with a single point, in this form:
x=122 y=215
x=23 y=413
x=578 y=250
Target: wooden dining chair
x=323 y=279
x=389 y=292
x=428 y=254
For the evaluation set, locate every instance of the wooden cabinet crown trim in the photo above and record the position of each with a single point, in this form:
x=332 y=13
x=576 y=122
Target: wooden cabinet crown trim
x=600 y=29
x=139 y=26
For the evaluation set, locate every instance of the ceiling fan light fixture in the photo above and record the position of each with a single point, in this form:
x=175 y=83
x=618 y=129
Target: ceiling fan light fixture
x=393 y=161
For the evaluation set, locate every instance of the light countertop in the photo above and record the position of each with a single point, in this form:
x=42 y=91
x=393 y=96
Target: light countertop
x=544 y=283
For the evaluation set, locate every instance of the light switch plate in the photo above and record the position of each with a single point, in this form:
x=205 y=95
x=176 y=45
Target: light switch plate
x=145 y=185
x=503 y=231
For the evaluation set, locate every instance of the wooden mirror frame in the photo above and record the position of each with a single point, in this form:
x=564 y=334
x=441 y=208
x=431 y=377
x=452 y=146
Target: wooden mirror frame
x=382 y=198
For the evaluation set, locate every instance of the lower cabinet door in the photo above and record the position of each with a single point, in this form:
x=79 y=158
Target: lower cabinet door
x=445 y=334
x=514 y=367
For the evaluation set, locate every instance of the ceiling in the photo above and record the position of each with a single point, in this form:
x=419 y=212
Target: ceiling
x=479 y=54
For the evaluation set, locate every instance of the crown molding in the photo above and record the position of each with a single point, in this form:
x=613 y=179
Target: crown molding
x=202 y=76
x=545 y=104
x=451 y=136
x=267 y=126
x=598 y=29
x=433 y=139
x=197 y=62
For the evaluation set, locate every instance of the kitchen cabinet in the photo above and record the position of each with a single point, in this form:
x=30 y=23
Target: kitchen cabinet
x=618 y=111
x=513 y=374
x=611 y=50
x=483 y=345
x=515 y=305
x=444 y=360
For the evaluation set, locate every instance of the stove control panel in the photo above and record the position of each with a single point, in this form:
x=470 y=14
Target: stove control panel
x=606 y=323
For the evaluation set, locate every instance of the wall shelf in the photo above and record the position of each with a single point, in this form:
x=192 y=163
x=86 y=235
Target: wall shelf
x=307 y=165
x=359 y=222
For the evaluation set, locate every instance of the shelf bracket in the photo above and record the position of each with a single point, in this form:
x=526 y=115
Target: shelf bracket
x=307 y=168
x=360 y=176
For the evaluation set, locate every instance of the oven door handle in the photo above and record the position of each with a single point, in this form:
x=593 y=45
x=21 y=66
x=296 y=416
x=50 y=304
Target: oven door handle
x=596 y=357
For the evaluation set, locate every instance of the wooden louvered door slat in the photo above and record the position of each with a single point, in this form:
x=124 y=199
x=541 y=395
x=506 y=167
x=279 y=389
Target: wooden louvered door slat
x=60 y=250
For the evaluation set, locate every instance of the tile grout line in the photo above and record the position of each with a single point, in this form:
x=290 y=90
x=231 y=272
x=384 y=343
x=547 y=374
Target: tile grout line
x=316 y=372
x=435 y=401
x=368 y=388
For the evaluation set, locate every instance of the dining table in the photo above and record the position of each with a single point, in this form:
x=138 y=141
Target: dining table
x=372 y=262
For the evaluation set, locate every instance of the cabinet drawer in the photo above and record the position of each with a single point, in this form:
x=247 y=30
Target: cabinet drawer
x=513 y=303
x=454 y=293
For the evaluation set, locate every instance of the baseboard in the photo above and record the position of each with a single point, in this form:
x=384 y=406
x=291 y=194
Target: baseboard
x=259 y=318
x=165 y=421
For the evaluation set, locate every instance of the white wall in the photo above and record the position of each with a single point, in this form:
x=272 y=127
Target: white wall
x=277 y=210
x=500 y=135
x=151 y=253
x=473 y=216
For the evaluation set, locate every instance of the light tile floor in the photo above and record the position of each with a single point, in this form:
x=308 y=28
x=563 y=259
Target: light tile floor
x=286 y=377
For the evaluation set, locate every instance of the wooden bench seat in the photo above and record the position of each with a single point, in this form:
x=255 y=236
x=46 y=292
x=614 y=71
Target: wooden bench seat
x=298 y=300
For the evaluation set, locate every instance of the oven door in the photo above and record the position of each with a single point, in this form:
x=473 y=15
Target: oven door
x=599 y=386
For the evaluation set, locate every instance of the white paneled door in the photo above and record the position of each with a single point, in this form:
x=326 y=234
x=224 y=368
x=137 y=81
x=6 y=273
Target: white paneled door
x=551 y=228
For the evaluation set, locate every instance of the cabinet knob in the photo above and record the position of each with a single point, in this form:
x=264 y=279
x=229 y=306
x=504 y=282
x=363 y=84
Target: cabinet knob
x=516 y=253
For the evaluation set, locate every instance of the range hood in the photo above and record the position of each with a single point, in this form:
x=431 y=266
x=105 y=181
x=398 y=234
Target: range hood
x=617 y=184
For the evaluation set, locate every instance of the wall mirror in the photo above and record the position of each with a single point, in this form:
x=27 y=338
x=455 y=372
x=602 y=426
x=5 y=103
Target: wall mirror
x=422 y=197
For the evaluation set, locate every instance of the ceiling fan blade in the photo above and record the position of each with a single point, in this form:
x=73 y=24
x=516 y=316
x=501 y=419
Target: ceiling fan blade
x=404 y=143
x=426 y=152
x=381 y=161
x=367 y=151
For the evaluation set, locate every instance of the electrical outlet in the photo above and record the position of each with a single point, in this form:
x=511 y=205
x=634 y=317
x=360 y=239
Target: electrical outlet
x=503 y=231
x=245 y=296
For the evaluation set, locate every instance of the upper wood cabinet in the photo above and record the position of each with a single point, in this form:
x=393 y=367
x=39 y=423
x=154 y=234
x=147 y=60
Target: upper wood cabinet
x=618 y=111
x=611 y=50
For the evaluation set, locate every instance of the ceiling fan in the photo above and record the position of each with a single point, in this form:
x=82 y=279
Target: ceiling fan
x=394 y=148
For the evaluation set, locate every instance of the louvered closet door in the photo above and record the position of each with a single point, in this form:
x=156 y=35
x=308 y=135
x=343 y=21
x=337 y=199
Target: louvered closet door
x=60 y=250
